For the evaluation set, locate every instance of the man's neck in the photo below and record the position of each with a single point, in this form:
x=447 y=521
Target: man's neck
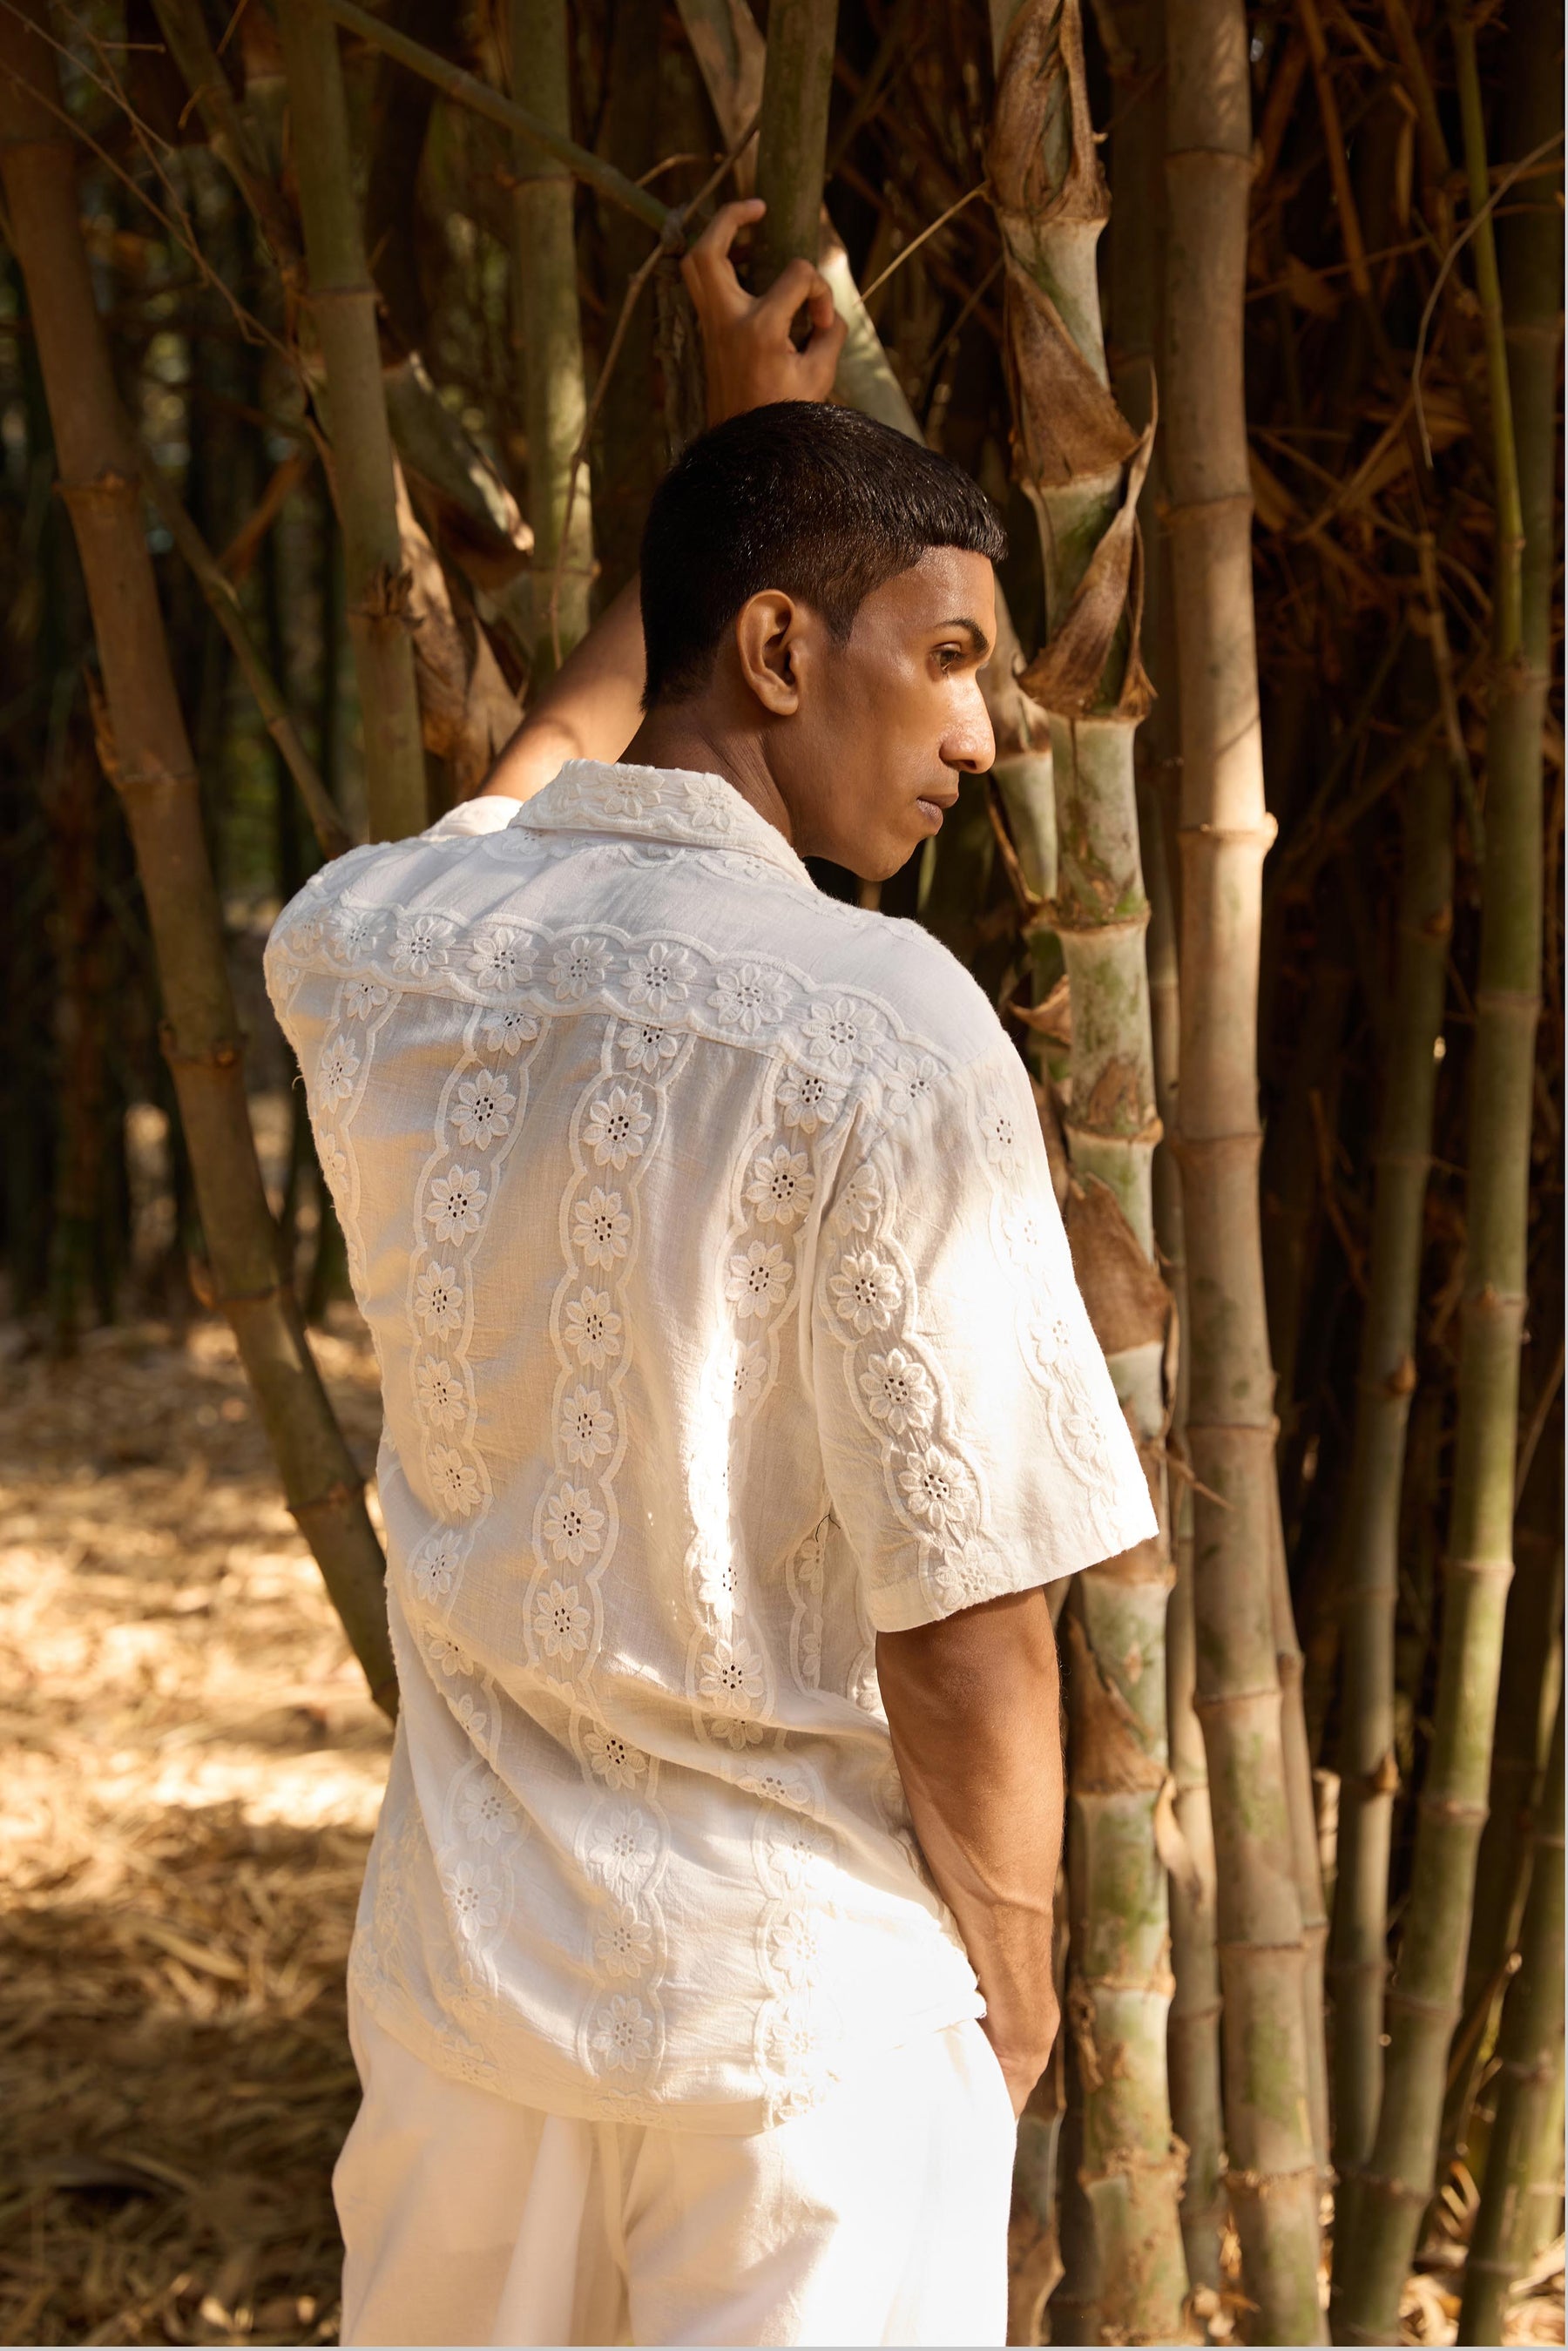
x=679 y=737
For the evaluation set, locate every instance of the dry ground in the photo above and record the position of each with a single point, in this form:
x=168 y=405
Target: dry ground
x=191 y=1775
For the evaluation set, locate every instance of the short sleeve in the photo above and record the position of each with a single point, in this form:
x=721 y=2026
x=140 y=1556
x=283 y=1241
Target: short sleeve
x=971 y=1438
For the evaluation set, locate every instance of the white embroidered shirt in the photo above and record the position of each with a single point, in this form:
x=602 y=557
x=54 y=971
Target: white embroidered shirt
x=724 y=1317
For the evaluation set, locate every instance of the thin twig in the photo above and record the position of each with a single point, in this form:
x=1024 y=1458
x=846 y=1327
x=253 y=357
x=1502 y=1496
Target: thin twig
x=1538 y=1420
x=1515 y=171
x=915 y=243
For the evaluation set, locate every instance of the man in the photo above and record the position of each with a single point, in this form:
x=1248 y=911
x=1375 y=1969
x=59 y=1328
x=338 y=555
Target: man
x=739 y=1404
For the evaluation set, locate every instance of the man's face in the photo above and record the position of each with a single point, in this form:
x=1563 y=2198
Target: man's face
x=888 y=722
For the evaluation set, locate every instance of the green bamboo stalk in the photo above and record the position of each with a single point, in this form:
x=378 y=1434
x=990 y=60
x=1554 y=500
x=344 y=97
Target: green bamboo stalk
x=343 y=302
x=1224 y=835
x=549 y=331
x=1083 y=466
x=1369 y=1773
x=1424 y=2005
x=1525 y=2138
x=147 y=754
x=792 y=137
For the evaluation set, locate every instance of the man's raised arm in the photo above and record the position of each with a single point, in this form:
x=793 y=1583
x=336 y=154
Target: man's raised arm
x=591 y=707
x=972 y=1704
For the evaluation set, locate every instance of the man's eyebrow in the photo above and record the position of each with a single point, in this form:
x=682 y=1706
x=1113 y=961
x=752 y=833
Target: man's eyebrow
x=977 y=637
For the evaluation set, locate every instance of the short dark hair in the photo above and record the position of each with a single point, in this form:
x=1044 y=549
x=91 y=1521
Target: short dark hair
x=821 y=502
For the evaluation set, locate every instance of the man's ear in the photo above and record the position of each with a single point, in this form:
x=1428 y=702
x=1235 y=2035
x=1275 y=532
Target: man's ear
x=769 y=629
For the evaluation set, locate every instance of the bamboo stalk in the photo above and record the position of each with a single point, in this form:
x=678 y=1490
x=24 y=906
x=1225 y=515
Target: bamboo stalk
x=1526 y=2137
x=343 y=301
x=1369 y=1773
x=792 y=137
x=1224 y=835
x=224 y=605
x=146 y=753
x=1084 y=478
x=550 y=333
x=1385 y=2213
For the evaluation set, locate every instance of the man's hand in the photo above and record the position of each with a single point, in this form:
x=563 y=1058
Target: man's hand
x=750 y=357
x=973 y=1707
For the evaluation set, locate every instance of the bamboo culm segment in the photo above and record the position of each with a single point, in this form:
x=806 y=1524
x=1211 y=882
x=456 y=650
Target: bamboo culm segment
x=343 y=304
x=145 y=747
x=1526 y=2143
x=792 y=137
x=1224 y=835
x=549 y=332
x=1051 y=207
x=1369 y=1775
x=1385 y=2211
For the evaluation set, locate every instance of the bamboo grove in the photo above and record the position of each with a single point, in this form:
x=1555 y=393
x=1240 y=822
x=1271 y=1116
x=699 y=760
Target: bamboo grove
x=353 y=343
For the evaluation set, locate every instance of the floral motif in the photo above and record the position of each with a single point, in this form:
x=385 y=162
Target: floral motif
x=469 y=1713
x=659 y=976
x=572 y=1526
x=729 y=1675
x=578 y=969
x=486 y=1811
x=473 y=1894
x=912 y=1077
x=438 y=1298
x=362 y=996
x=497 y=960
x=447 y=1658
x=614 y=1759
x=898 y=1391
x=560 y=1621
x=600 y=1228
x=935 y=1497
x=1050 y=1336
x=626 y=791
x=484 y=1106
x=587 y=1429
x=860 y=1202
x=757 y=1278
x=509 y=1030
x=592 y=1329
x=748 y=997
x=625 y=1846
x=457 y=1481
x=623 y=2034
x=843 y=1032
x=750 y=1372
x=647 y=1045
x=623 y=1945
x=456 y=1202
x=335 y=1078
x=1000 y=1133
x=420 y=945
x=352 y=934
x=808 y=1102
x=797 y=1951
x=615 y=1126
x=440 y=1392
x=797 y=1847
x=866 y=1292
x=780 y=1188
x=334 y=1160
x=433 y=1566
x=1026 y=1232
x=776 y=1787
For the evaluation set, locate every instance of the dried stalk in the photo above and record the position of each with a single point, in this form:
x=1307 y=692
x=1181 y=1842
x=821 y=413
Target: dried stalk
x=343 y=301
x=1224 y=835
x=148 y=756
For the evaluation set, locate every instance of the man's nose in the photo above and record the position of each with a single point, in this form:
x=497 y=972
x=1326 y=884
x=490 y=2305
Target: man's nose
x=971 y=744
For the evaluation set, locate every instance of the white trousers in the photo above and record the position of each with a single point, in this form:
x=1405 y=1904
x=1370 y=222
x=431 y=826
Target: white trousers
x=878 y=2217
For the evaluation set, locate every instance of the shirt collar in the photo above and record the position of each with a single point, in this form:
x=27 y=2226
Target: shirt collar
x=673 y=804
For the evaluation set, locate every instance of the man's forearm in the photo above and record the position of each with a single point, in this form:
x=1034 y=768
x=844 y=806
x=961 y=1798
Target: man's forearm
x=975 y=1714
x=590 y=710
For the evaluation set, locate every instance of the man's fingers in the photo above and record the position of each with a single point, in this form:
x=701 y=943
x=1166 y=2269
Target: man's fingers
x=796 y=283
x=712 y=248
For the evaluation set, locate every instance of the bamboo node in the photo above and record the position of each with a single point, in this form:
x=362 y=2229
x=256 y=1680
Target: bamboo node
x=111 y=487
x=386 y=598
x=343 y=1490
x=225 y=1055
x=1453 y=1807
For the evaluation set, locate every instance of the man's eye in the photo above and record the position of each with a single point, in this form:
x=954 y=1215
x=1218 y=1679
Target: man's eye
x=948 y=655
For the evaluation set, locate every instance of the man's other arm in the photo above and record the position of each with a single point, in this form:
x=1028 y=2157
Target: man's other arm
x=974 y=1707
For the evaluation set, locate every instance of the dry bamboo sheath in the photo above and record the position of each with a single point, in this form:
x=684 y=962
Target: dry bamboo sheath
x=149 y=757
